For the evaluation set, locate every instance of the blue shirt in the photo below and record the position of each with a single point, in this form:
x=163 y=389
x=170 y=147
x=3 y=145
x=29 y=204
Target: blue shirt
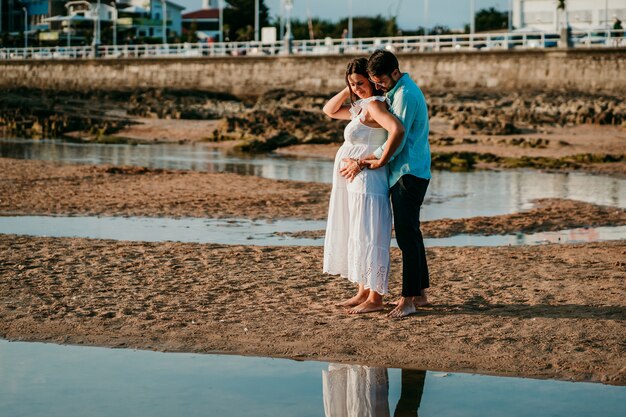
x=413 y=155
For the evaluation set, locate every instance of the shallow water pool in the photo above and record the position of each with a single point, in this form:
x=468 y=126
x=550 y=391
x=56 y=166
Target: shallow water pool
x=251 y=232
x=450 y=194
x=51 y=380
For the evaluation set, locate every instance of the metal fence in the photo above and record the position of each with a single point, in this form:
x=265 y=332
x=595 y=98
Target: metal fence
x=328 y=46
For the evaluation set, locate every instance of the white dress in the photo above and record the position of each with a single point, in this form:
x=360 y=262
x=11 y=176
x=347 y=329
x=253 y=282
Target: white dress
x=358 y=231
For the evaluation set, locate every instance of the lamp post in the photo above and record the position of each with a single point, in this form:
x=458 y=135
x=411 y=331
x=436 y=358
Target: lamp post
x=287 y=40
x=25 y=29
x=164 y=16
x=510 y=22
x=69 y=26
x=220 y=5
x=114 y=5
x=256 y=20
x=98 y=23
x=425 y=17
x=350 y=19
x=472 y=16
x=96 y=26
x=282 y=20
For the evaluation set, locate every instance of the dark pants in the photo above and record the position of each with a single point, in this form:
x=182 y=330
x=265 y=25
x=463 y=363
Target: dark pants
x=407 y=196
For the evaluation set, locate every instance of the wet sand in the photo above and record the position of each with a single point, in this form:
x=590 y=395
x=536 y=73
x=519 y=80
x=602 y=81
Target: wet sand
x=551 y=311
x=37 y=187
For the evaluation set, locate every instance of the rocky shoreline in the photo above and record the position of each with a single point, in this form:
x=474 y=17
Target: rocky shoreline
x=538 y=130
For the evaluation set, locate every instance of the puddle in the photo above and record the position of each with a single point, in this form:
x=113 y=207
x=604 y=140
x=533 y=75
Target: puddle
x=50 y=380
x=146 y=229
x=249 y=232
x=191 y=156
x=450 y=194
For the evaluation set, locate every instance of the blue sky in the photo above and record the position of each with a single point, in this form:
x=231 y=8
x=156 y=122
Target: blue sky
x=452 y=13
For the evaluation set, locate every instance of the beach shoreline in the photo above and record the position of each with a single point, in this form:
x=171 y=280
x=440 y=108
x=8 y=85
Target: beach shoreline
x=564 y=320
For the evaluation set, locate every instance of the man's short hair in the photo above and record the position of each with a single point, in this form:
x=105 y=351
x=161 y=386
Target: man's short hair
x=382 y=62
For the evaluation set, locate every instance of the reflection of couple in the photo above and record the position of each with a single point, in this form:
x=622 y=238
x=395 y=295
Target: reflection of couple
x=362 y=391
x=385 y=153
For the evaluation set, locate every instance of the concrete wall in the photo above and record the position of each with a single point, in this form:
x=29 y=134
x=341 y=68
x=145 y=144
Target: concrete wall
x=589 y=71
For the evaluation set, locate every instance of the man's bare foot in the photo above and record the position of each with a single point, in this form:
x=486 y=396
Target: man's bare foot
x=360 y=298
x=366 y=307
x=418 y=301
x=404 y=308
x=421 y=301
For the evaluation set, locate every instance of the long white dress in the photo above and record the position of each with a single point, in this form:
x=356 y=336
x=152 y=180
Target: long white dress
x=358 y=231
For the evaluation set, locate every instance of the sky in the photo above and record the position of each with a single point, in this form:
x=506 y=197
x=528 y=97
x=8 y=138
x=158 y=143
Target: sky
x=451 y=13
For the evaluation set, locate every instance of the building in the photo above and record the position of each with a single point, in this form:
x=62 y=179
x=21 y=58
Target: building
x=204 y=22
x=37 y=11
x=145 y=17
x=11 y=16
x=543 y=15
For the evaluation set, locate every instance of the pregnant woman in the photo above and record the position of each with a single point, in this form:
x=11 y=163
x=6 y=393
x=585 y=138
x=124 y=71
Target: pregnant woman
x=358 y=232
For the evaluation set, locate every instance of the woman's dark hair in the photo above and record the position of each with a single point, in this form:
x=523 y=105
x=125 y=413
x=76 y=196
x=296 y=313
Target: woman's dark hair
x=359 y=66
x=382 y=63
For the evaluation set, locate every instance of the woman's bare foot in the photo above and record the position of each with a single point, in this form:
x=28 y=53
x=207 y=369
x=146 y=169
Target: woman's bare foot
x=366 y=307
x=404 y=308
x=359 y=298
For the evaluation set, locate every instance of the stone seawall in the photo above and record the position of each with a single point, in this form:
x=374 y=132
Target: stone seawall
x=588 y=71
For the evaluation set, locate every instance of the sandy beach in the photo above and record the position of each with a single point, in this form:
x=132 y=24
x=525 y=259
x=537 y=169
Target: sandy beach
x=547 y=311
x=551 y=311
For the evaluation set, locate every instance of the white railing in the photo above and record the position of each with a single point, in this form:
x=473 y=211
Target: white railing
x=430 y=43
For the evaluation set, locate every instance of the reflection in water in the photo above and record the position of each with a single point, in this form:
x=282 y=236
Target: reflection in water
x=450 y=194
x=46 y=380
x=363 y=391
x=355 y=391
x=251 y=232
x=410 y=393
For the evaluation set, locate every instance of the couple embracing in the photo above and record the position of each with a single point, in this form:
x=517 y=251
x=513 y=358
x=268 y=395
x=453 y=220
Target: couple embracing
x=385 y=153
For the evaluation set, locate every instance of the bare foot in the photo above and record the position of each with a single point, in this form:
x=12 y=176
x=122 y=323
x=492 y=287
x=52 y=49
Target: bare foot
x=404 y=308
x=421 y=301
x=418 y=301
x=366 y=307
x=354 y=301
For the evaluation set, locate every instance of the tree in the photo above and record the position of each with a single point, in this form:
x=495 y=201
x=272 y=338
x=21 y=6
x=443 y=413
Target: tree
x=363 y=27
x=490 y=19
x=239 y=15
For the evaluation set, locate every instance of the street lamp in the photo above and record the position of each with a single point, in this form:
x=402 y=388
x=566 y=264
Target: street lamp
x=282 y=19
x=25 y=29
x=96 y=26
x=510 y=23
x=114 y=5
x=472 y=16
x=164 y=29
x=287 y=40
x=349 y=19
x=69 y=25
x=221 y=7
x=425 y=17
x=256 y=20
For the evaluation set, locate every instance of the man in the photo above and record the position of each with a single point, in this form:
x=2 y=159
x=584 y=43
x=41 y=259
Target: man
x=409 y=175
x=618 y=31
